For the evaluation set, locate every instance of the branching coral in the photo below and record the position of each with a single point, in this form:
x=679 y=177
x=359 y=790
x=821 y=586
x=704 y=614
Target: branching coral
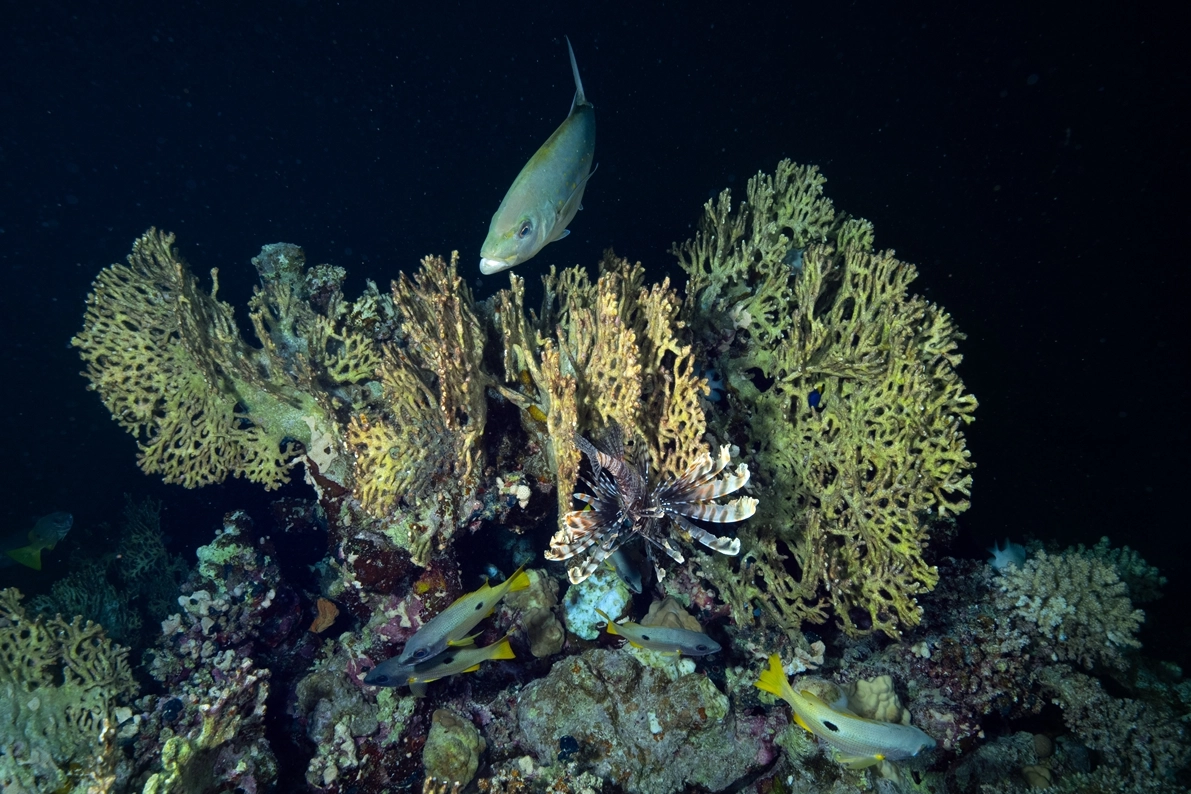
x=383 y=398
x=1074 y=605
x=169 y=363
x=1142 y=579
x=850 y=385
x=1143 y=743
x=63 y=686
x=603 y=354
x=127 y=589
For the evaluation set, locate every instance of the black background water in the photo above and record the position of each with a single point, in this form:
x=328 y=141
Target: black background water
x=1032 y=162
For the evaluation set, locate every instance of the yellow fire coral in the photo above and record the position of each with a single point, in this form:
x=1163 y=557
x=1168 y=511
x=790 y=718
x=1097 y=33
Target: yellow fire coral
x=168 y=361
x=600 y=355
x=64 y=686
x=856 y=409
x=421 y=444
x=383 y=397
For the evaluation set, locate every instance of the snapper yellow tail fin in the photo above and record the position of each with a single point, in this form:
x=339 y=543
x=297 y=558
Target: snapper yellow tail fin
x=29 y=556
x=503 y=650
x=519 y=580
x=610 y=627
x=774 y=679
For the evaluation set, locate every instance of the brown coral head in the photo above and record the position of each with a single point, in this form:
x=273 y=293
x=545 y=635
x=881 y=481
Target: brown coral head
x=327 y=612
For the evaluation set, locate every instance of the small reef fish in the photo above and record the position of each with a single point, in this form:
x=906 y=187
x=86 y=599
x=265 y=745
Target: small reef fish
x=861 y=742
x=45 y=535
x=451 y=626
x=662 y=638
x=1014 y=554
x=456 y=660
x=545 y=196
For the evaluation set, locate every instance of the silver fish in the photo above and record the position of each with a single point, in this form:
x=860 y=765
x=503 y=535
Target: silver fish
x=663 y=639
x=547 y=193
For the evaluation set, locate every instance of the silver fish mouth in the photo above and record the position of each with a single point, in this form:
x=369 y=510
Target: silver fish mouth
x=490 y=266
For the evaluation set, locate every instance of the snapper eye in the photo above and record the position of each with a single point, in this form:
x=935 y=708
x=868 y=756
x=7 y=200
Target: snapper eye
x=526 y=228
x=419 y=653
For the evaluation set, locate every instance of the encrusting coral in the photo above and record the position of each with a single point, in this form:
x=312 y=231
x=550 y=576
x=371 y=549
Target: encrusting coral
x=855 y=411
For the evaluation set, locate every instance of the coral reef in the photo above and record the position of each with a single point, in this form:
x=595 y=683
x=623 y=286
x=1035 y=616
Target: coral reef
x=65 y=692
x=637 y=727
x=421 y=417
x=855 y=411
x=210 y=659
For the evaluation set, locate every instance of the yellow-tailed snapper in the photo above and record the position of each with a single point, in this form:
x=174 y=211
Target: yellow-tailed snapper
x=861 y=742
x=452 y=626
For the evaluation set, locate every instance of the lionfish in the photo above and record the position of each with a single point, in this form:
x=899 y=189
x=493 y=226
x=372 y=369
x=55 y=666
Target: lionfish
x=623 y=506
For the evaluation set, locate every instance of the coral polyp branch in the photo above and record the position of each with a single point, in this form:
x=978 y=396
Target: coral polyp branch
x=624 y=505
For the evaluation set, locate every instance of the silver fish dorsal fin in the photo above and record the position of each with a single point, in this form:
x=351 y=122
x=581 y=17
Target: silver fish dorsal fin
x=580 y=98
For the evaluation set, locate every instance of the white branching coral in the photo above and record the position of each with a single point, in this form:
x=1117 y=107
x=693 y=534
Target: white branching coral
x=1075 y=605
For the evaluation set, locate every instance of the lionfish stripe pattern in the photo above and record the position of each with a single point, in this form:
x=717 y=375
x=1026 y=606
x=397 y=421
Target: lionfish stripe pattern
x=624 y=506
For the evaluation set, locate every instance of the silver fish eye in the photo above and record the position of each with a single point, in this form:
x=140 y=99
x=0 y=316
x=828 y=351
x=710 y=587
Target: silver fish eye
x=525 y=227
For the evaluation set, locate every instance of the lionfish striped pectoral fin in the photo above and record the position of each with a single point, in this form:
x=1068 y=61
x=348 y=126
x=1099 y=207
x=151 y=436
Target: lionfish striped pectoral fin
x=580 y=572
x=673 y=553
x=580 y=531
x=710 y=489
x=736 y=510
x=728 y=546
x=706 y=467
